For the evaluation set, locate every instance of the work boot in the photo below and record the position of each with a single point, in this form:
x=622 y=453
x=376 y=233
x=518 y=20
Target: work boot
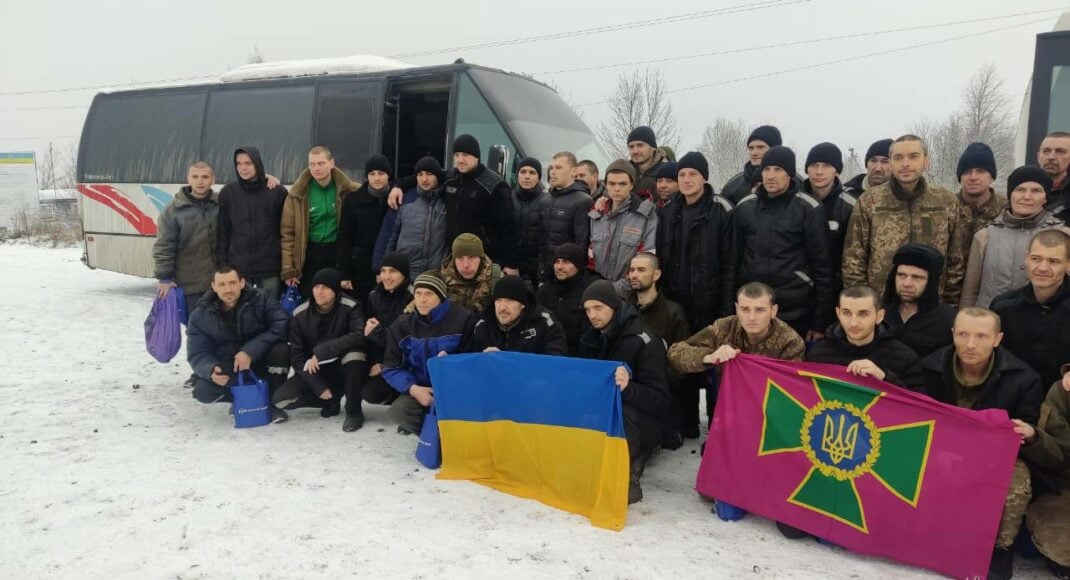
x=1002 y=565
x=353 y=422
x=278 y=415
x=331 y=409
x=190 y=382
x=635 y=472
x=1058 y=570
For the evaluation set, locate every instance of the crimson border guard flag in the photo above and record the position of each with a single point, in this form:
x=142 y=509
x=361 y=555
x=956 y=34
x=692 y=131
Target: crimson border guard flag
x=865 y=465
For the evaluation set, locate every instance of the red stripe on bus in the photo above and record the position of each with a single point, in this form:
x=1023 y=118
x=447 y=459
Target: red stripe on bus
x=114 y=199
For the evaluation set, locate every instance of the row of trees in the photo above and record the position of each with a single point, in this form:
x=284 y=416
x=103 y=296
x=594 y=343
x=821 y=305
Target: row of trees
x=984 y=114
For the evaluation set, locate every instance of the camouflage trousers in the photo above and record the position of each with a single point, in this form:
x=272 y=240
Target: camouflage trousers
x=1018 y=496
x=1049 y=521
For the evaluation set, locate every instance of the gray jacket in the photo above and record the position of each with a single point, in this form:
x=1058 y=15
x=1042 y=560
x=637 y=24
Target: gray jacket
x=617 y=236
x=420 y=230
x=184 y=250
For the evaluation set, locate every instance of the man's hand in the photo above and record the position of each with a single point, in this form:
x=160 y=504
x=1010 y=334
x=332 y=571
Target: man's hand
x=377 y=369
x=163 y=287
x=814 y=335
x=394 y=199
x=313 y=365
x=326 y=395
x=423 y=395
x=621 y=377
x=370 y=326
x=866 y=368
x=492 y=349
x=723 y=354
x=272 y=181
x=442 y=353
x=347 y=284
x=218 y=377
x=602 y=204
x=292 y=281
x=242 y=361
x=1025 y=430
x=511 y=271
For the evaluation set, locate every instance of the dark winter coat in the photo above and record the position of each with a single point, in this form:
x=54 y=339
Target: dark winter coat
x=929 y=329
x=666 y=319
x=480 y=202
x=564 y=221
x=385 y=307
x=184 y=250
x=327 y=335
x=261 y=323
x=358 y=227
x=746 y=182
x=626 y=341
x=414 y=339
x=699 y=265
x=856 y=186
x=419 y=230
x=1012 y=385
x=537 y=332
x=838 y=206
x=1059 y=201
x=250 y=216
x=899 y=362
x=295 y=219
x=1039 y=334
x=564 y=298
x=784 y=243
x=530 y=205
x=646 y=185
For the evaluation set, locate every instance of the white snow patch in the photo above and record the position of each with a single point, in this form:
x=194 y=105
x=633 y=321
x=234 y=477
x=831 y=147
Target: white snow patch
x=363 y=63
x=105 y=480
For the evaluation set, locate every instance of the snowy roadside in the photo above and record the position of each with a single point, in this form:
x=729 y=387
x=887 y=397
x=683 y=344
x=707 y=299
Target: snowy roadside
x=111 y=469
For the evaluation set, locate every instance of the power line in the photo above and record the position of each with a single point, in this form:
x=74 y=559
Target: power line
x=94 y=87
x=739 y=8
x=838 y=61
x=797 y=43
x=38 y=138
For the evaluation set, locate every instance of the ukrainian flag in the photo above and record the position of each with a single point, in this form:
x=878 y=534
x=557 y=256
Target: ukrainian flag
x=540 y=427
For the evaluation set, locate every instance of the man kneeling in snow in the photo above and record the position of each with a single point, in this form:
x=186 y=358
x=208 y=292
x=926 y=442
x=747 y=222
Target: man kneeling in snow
x=328 y=352
x=235 y=328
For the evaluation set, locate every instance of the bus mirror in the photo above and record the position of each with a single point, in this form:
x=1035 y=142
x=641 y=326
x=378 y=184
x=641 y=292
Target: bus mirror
x=496 y=158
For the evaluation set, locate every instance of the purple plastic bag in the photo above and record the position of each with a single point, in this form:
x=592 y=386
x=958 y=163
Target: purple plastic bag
x=163 y=330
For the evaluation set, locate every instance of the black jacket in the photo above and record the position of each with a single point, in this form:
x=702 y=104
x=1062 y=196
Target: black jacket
x=838 y=206
x=480 y=202
x=250 y=217
x=699 y=265
x=1059 y=201
x=565 y=300
x=854 y=186
x=743 y=183
x=784 y=243
x=929 y=329
x=386 y=307
x=900 y=364
x=564 y=220
x=1012 y=386
x=537 y=332
x=1039 y=334
x=626 y=341
x=260 y=323
x=359 y=221
x=327 y=335
x=530 y=206
x=667 y=320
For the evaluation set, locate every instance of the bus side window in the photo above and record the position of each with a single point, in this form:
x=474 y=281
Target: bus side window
x=347 y=122
x=475 y=117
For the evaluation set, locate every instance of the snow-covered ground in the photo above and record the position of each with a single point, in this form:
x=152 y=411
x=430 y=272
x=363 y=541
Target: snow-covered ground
x=111 y=470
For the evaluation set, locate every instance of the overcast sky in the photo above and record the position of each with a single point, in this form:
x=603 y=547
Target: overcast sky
x=50 y=44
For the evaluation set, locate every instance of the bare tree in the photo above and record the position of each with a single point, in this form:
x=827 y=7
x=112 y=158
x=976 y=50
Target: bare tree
x=984 y=115
x=255 y=57
x=722 y=144
x=57 y=167
x=641 y=98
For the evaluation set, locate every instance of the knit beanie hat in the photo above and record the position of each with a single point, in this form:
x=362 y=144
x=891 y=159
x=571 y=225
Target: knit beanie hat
x=604 y=292
x=622 y=166
x=430 y=165
x=667 y=171
x=466 y=144
x=330 y=278
x=468 y=245
x=976 y=156
x=532 y=163
x=1027 y=173
x=572 y=253
x=825 y=153
x=880 y=148
x=920 y=256
x=694 y=160
x=398 y=261
x=644 y=134
x=432 y=281
x=781 y=157
x=378 y=163
x=511 y=287
x=767 y=134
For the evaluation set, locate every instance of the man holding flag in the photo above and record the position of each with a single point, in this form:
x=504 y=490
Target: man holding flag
x=1047 y=447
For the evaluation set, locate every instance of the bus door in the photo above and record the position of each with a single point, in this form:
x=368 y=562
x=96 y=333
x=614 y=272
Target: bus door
x=415 y=121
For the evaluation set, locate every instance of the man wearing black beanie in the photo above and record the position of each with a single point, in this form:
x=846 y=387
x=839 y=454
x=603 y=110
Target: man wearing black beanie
x=746 y=182
x=976 y=171
x=360 y=220
x=385 y=304
x=666 y=182
x=877 y=172
x=530 y=200
x=824 y=164
x=514 y=322
x=783 y=236
x=563 y=294
x=645 y=157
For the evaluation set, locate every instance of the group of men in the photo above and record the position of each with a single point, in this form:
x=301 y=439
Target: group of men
x=650 y=267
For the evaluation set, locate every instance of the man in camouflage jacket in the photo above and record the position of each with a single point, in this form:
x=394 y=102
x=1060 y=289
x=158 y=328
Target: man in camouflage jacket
x=469 y=274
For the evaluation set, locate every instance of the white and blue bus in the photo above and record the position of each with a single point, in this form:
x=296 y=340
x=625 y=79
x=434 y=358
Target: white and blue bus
x=1047 y=99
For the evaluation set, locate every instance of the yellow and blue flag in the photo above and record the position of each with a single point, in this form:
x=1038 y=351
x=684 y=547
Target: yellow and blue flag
x=540 y=427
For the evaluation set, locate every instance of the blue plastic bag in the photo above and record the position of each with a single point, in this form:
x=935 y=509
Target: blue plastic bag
x=252 y=401
x=429 y=447
x=163 y=327
x=728 y=512
x=291 y=299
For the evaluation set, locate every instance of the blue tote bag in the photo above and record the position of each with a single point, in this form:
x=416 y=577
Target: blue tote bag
x=429 y=447
x=291 y=299
x=252 y=402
